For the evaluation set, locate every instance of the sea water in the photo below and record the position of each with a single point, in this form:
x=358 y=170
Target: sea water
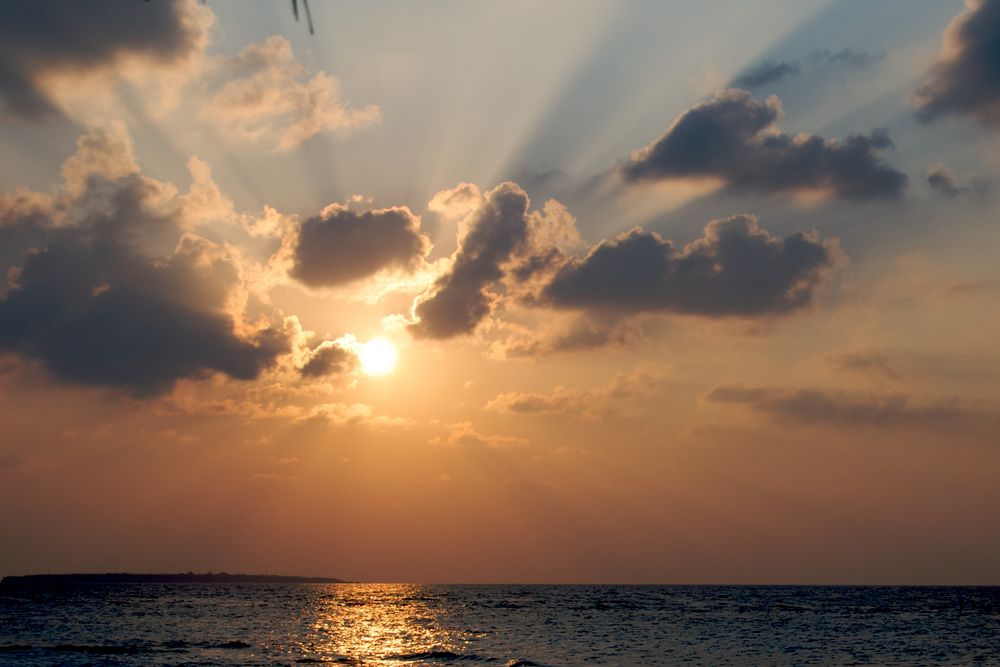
x=384 y=624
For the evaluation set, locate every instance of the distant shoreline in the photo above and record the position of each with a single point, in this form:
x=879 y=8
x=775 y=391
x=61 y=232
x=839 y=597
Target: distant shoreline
x=179 y=578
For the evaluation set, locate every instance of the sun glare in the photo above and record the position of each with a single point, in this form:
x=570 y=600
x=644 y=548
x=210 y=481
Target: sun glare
x=378 y=357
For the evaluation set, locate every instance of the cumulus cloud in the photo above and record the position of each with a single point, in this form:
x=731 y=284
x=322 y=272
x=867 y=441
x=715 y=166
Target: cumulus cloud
x=328 y=358
x=499 y=232
x=733 y=137
x=341 y=245
x=816 y=406
x=966 y=78
x=735 y=269
x=43 y=43
x=269 y=98
x=105 y=286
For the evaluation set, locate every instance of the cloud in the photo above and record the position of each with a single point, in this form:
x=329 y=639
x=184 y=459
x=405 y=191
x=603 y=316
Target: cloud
x=493 y=234
x=849 y=57
x=767 y=72
x=108 y=288
x=733 y=137
x=966 y=78
x=815 y=406
x=463 y=434
x=868 y=363
x=353 y=414
x=735 y=269
x=773 y=71
x=268 y=98
x=43 y=43
x=585 y=403
x=341 y=245
x=328 y=358
x=582 y=334
x=943 y=183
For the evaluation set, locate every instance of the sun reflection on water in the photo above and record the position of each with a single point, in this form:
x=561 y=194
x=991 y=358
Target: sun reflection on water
x=379 y=625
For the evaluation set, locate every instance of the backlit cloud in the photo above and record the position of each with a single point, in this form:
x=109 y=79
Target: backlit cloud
x=45 y=43
x=460 y=299
x=735 y=269
x=269 y=98
x=733 y=137
x=341 y=245
x=106 y=287
x=966 y=78
x=596 y=403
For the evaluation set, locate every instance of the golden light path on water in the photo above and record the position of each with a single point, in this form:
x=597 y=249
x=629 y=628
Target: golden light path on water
x=379 y=625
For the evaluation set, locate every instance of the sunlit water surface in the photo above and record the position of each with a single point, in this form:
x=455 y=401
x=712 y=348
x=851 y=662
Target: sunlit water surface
x=375 y=624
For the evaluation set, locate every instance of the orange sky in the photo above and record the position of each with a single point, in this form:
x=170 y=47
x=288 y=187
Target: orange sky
x=732 y=322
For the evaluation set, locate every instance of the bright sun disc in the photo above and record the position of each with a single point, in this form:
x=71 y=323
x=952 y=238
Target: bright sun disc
x=378 y=357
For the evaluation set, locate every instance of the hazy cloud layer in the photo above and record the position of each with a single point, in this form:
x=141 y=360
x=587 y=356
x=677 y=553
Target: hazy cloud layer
x=59 y=38
x=767 y=72
x=815 y=406
x=735 y=268
x=463 y=434
x=732 y=137
x=966 y=78
x=110 y=290
x=820 y=61
x=341 y=245
x=269 y=98
x=943 y=183
x=875 y=364
x=587 y=403
x=583 y=333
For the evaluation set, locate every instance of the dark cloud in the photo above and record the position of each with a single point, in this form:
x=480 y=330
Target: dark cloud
x=813 y=406
x=460 y=300
x=39 y=39
x=943 y=183
x=767 y=72
x=113 y=292
x=735 y=268
x=966 y=80
x=732 y=137
x=342 y=245
x=327 y=359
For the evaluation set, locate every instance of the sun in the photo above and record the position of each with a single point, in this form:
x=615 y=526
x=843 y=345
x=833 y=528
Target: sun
x=378 y=357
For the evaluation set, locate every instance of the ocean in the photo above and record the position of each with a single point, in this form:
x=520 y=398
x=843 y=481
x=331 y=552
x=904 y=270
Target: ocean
x=404 y=625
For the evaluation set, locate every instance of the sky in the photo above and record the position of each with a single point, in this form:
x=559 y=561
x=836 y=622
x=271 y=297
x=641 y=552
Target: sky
x=563 y=291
